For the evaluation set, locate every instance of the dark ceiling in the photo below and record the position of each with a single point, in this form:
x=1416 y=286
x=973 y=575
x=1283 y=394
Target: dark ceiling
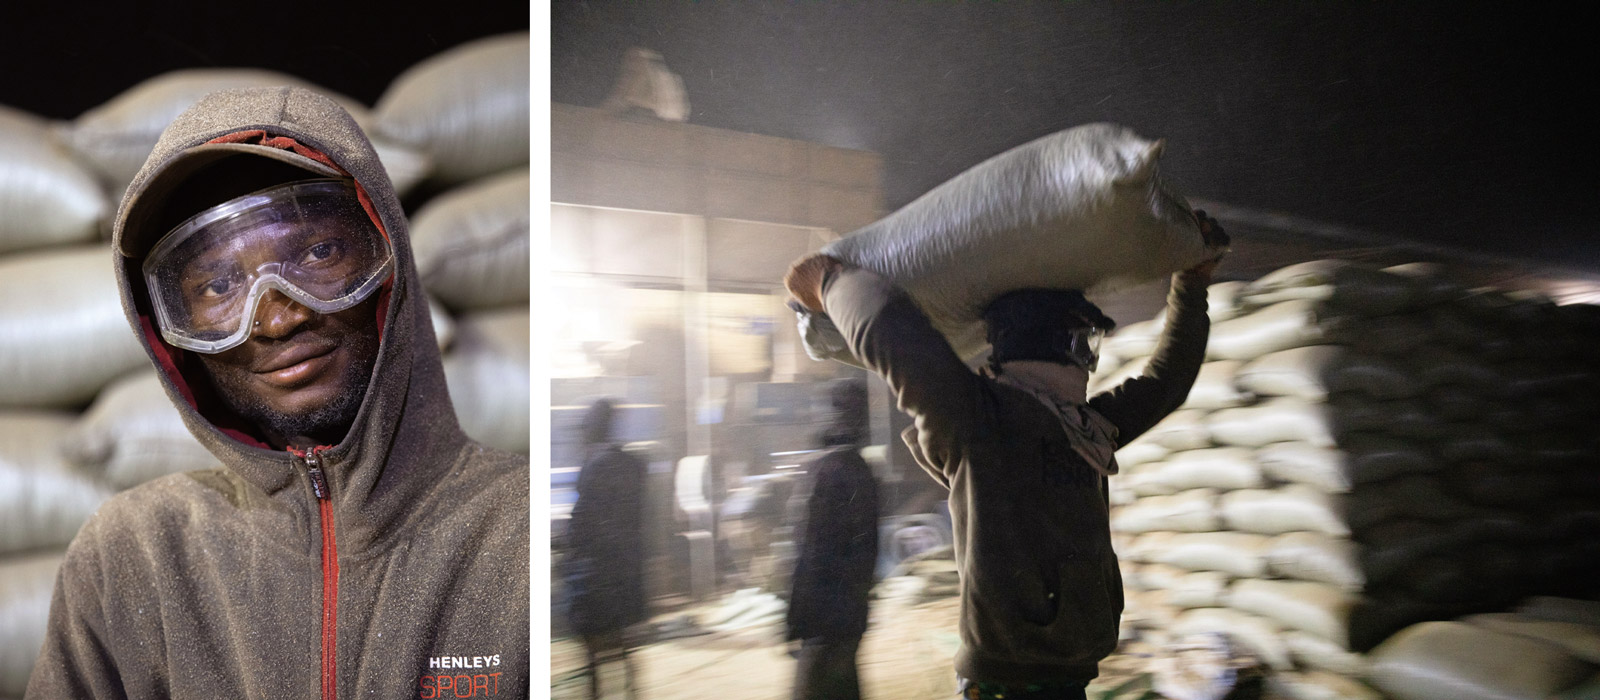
x=1457 y=124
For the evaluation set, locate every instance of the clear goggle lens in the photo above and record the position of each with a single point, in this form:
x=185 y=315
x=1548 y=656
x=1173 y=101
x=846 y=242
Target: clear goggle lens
x=310 y=240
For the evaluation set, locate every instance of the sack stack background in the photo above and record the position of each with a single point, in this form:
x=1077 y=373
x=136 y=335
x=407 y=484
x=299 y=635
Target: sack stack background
x=82 y=413
x=1364 y=449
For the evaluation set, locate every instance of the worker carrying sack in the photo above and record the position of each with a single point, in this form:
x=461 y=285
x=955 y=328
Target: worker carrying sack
x=1084 y=208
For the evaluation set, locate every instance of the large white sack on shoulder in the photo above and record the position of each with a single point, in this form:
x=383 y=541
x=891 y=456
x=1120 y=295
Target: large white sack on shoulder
x=1221 y=468
x=1282 y=419
x=472 y=243
x=1257 y=635
x=1315 y=652
x=1581 y=641
x=1356 y=287
x=43 y=500
x=1292 y=508
x=132 y=434
x=489 y=378
x=1214 y=388
x=46 y=197
x=1236 y=553
x=466 y=107
x=26 y=585
x=1181 y=430
x=1190 y=511
x=1317 y=685
x=1084 y=208
x=1290 y=324
x=1457 y=661
x=1323 y=468
x=116 y=137
x=1307 y=606
x=1141 y=451
x=1315 y=371
x=1313 y=556
x=63 y=336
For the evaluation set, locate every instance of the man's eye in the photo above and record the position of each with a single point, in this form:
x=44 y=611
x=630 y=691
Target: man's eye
x=321 y=252
x=216 y=287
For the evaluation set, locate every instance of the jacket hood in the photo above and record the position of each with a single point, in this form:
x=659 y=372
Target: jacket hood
x=406 y=422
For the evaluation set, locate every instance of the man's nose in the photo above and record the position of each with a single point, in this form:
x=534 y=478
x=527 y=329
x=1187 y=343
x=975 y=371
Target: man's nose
x=278 y=315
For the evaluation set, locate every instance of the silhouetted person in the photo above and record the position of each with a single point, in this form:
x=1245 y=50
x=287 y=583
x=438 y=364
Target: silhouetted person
x=606 y=565
x=836 y=549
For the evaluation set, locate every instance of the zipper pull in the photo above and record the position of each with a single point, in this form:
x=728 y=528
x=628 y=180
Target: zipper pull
x=319 y=485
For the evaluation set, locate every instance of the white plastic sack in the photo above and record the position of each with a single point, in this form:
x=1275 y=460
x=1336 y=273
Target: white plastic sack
x=1189 y=511
x=1457 y=661
x=132 y=434
x=1291 y=324
x=1141 y=451
x=46 y=197
x=1187 y=589
x=1313 y=372
x=26 y=584
x=1221 y=468
x=1343 y=284
x=1145 y=480
x=1222 y=300
x=1313 y=556
x=467 y=108
x=471 y=243
x=1214 y=388
x=1583 y=612
x=1281 y=419
x=1135 y=339
x=1181 y=430
x=1241 y=554
x=63 y=336
x=444 y=326
x=1105 y=380
x=1316 y=608
x=1084 y=208
x=1292 y=508
x=1582 y=641
x=489 y=378
x=1312 y=651
x=43 y=501
x=1255 y=634
x=1322 y=468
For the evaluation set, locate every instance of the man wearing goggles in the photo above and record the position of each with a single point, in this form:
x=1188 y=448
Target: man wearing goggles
x=355 y=543
x=1024 y=453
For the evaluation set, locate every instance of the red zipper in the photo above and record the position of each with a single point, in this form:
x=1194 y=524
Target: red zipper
x=330 y=575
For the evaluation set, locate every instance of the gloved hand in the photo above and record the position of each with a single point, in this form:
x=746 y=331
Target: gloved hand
x=805 y=277
x=1217 y=241
x=822 y=340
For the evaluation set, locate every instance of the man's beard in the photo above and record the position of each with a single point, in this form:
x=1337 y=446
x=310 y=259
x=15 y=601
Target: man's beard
x=328 y=422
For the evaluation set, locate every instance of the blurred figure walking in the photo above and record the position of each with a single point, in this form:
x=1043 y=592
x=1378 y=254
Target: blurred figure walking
x=605 y=564
x=837 y=547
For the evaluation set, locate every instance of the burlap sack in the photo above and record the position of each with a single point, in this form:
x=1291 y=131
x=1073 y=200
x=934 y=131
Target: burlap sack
x=1189 y=511
x=1313 y=556
x=43 y=501
x=489 y=378
x=1214 y=387
x=467 y=108
x=1319 y=685
x=26 y=584
x=1349 y=286
x=1280 y=419
x=46 y=198
x=1221 y=468
x=1323 y=468
x=1240 y=554
x=132 y=434
x=1291 y=324
x=1457 y=661
x=1316 y=608
x=1084 y=208
x=1292 y=508
x=471 y=243
x=1256 y=635
x=63 y=336
x=117 y=136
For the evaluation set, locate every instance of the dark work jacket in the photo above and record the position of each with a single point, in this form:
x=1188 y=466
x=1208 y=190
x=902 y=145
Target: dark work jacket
x=1040 y=592
x=836 y=548
x=605 y=568
x=393 y=564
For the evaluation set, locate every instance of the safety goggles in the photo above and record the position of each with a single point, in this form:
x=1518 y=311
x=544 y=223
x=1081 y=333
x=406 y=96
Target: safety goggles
x=1081 y=346
x=310 y=240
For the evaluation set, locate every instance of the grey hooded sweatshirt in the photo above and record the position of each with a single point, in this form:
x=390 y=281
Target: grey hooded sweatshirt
x=393 y=564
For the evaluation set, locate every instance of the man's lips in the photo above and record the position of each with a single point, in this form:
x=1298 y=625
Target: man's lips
x=295 y=365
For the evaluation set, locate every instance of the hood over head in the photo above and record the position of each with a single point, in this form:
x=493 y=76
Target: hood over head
x=234 y=142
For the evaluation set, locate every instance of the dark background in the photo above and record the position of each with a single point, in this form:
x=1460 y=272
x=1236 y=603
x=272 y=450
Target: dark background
x=1457 y=124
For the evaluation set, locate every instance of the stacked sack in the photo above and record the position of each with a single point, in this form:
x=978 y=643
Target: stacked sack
x=82 y=412
x=1364 y=449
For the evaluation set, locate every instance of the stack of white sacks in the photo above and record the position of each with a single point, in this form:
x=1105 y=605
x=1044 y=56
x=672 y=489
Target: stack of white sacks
x=82 y=414
x=1364 y=449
